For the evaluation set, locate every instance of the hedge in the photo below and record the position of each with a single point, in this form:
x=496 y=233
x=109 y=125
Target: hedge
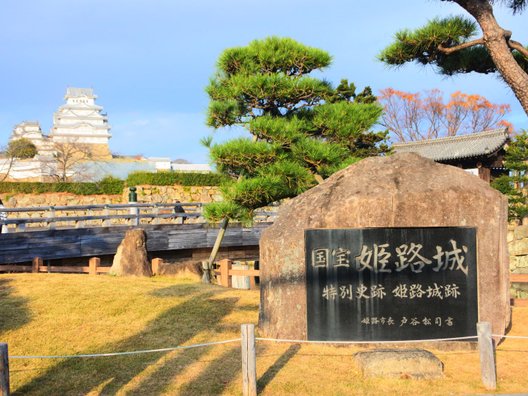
x=109 y=185
x=172 y=178
x=113 y=186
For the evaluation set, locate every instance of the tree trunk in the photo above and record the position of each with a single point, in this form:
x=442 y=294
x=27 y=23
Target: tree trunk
x=496 y=41
x=219 y=238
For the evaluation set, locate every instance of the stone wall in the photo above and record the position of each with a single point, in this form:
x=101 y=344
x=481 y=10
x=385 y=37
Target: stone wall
x=518 y=248
x=146 y=194
x=168 y=194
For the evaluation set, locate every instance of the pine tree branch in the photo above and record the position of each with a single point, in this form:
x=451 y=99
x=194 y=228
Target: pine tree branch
x=468 y=44
x=518 y=47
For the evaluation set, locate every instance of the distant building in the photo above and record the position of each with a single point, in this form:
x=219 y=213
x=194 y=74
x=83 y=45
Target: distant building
x=31 y=130
x=480 y=153
x=80 y=123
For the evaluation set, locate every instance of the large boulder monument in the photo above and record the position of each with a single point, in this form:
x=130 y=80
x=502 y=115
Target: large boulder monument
x=390 y=248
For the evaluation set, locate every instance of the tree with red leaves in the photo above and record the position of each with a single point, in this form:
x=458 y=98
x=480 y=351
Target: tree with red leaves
x=418 y=116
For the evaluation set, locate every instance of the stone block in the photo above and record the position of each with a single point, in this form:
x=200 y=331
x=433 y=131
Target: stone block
x=519 y=247
x=521 y=262
x=521 y=232
x=394 y=363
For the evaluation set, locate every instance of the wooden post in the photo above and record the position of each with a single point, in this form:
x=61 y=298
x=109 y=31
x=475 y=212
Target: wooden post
x=106 y=222
x=252 y=279
x=156 y=264
x=4 y=370
x=51 y=215
x=218 y=241
x=487 y=355
x=206 y=277
x=156 y=219
x=249 y=361
x=134 y=220
x=37 y=263
x=225 y=267
x=93 y=263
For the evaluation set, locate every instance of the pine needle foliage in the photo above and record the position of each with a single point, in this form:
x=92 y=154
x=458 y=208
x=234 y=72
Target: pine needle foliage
x=458 y=45
x=303 y=127
x=515 y=185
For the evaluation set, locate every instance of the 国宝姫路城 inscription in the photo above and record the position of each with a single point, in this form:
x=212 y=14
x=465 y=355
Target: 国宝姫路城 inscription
x=386 y=284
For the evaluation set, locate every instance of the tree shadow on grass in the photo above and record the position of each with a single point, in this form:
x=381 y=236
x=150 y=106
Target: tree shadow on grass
x=107 y=375
x=212 y=380
x=215 y=374
x=272 y=371
x=13 y=309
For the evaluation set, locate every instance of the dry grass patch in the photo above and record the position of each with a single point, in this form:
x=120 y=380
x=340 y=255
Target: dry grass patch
x=56 y=314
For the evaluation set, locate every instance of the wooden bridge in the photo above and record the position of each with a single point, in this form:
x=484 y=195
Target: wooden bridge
x=53 y=233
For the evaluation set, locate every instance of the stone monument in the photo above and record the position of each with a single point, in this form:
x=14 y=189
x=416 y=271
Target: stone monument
x=131 y=258
x=341 y=260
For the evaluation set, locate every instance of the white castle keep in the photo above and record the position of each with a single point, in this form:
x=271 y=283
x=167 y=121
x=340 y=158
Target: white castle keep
x=80 y=122
x=82 y=125
x=80 y=129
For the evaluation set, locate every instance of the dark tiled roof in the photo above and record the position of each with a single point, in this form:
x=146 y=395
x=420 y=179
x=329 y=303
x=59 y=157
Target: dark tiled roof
x=456 y=147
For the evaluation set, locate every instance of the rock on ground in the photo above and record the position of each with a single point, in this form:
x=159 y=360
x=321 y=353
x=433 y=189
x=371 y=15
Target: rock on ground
x=415 y=363
x=131 y=257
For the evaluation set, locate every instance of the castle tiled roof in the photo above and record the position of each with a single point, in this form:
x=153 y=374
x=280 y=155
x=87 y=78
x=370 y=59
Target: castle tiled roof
x=457 y=147
x=72 y=92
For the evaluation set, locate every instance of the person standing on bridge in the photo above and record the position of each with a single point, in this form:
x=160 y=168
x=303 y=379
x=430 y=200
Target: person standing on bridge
x=3 y=216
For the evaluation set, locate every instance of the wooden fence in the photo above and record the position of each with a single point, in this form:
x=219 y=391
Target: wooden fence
x=225 y=272
x=94 y=267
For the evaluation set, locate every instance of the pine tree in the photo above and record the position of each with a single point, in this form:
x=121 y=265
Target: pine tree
x=515 y=184
x=452 y=46
x=302 y=128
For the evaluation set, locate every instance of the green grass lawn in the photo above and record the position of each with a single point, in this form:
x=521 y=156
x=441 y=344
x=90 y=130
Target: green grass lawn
x=57 y=314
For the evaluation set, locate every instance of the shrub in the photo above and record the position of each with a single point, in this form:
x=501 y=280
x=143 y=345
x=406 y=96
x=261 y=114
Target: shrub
x=108 y=185
x=172 y=178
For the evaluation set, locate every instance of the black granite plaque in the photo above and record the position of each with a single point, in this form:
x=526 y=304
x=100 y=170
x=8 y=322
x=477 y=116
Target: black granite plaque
x=386 y=284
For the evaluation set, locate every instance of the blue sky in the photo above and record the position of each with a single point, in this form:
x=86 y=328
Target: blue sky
x=150 y=60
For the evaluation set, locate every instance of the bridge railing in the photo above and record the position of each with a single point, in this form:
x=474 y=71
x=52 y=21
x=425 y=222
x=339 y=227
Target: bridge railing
x=80 y=216
x=107 y=215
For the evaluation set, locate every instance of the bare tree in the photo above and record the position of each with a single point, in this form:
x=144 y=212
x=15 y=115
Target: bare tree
x=417 y=116
x=68 y=161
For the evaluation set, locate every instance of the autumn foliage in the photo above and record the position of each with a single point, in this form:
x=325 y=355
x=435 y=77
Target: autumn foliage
x=419 y=116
